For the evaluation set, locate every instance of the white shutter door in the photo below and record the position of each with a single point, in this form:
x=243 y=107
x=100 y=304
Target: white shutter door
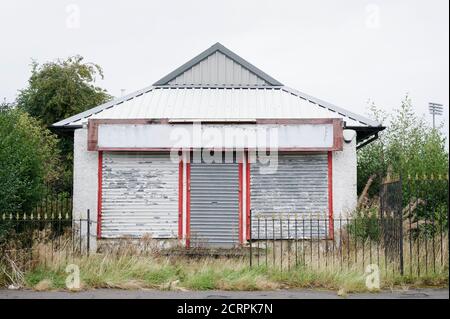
x=139 y=195
x=299 y=186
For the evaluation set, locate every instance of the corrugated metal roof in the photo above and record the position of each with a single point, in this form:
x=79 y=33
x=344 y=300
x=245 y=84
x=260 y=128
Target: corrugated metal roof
x=217 y=84
x=218 y=103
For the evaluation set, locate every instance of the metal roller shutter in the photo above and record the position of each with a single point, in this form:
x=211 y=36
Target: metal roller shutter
x=299 y=186
x=139 y=195
x=214 y=211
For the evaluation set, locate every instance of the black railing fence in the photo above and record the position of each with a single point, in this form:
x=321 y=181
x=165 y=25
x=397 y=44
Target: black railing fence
x=53 y=205
x=353 y=244
x=404 y=231
x=26 y=239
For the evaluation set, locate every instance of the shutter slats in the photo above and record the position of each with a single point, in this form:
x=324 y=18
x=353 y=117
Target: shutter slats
x=214 y=205
x=298 y=186
x=139 y=195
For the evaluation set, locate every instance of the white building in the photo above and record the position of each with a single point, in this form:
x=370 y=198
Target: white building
x=144 y=163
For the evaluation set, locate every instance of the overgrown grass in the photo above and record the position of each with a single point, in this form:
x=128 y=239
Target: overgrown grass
x=124 y=268
x=135 y=272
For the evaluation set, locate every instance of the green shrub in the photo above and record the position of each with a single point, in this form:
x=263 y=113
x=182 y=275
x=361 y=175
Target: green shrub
x=28 y=161
x=365 y=225
x=407 y=147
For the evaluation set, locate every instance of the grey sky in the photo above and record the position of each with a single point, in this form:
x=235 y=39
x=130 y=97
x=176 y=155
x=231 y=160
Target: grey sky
x=345 y=52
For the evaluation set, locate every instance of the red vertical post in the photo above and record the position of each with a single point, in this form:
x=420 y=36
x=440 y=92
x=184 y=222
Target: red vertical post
x=330 y=196
x=180 y=200
x=99 y=194
x=188 y=205
x=240 y=168
x=247 y=177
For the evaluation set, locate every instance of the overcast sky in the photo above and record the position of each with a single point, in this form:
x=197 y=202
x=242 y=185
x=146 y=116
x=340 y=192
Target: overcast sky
x=344 y=52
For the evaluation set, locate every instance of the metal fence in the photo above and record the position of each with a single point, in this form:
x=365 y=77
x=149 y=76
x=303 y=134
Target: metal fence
x=26 y=239
x=52 y=205
x=404 y=231
x=355 y=243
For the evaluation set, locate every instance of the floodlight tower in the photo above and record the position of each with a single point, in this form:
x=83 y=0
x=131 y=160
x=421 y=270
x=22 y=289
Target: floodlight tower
x=435 y=109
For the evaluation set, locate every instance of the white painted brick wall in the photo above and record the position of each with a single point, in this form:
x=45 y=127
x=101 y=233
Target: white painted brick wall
x=344 y=180
x=85 y=183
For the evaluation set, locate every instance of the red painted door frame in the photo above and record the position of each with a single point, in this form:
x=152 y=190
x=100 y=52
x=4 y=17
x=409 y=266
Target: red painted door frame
x=247 y=193
x=188 y=198
x=99 y=194
x=330 y=196
x=188 y=204
x=180 y=200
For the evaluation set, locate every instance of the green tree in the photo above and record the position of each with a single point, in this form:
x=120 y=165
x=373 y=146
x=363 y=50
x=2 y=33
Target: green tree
x=28 y=160
x=57 y=90
x=407 y=147
x=5 y=106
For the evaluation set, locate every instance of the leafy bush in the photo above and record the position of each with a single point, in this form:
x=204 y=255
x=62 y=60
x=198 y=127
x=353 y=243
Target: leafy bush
x=407 y=147
x=28 y=160
x=365 y=225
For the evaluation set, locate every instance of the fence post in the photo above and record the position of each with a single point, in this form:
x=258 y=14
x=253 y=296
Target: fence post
x=88 y=231
x=250 y=236
x=401 y=225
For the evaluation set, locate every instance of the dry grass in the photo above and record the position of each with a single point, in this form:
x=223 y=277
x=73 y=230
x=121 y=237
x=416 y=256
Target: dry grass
x=125 y=268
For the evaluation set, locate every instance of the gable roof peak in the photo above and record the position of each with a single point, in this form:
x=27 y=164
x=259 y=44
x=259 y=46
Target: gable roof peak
x=218 y=65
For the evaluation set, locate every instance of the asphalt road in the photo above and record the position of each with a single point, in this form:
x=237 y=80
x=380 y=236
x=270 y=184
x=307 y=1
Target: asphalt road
x=277 y=294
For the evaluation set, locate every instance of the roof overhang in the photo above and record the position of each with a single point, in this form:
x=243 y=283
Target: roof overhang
x=196 y=102
x=365 y=134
